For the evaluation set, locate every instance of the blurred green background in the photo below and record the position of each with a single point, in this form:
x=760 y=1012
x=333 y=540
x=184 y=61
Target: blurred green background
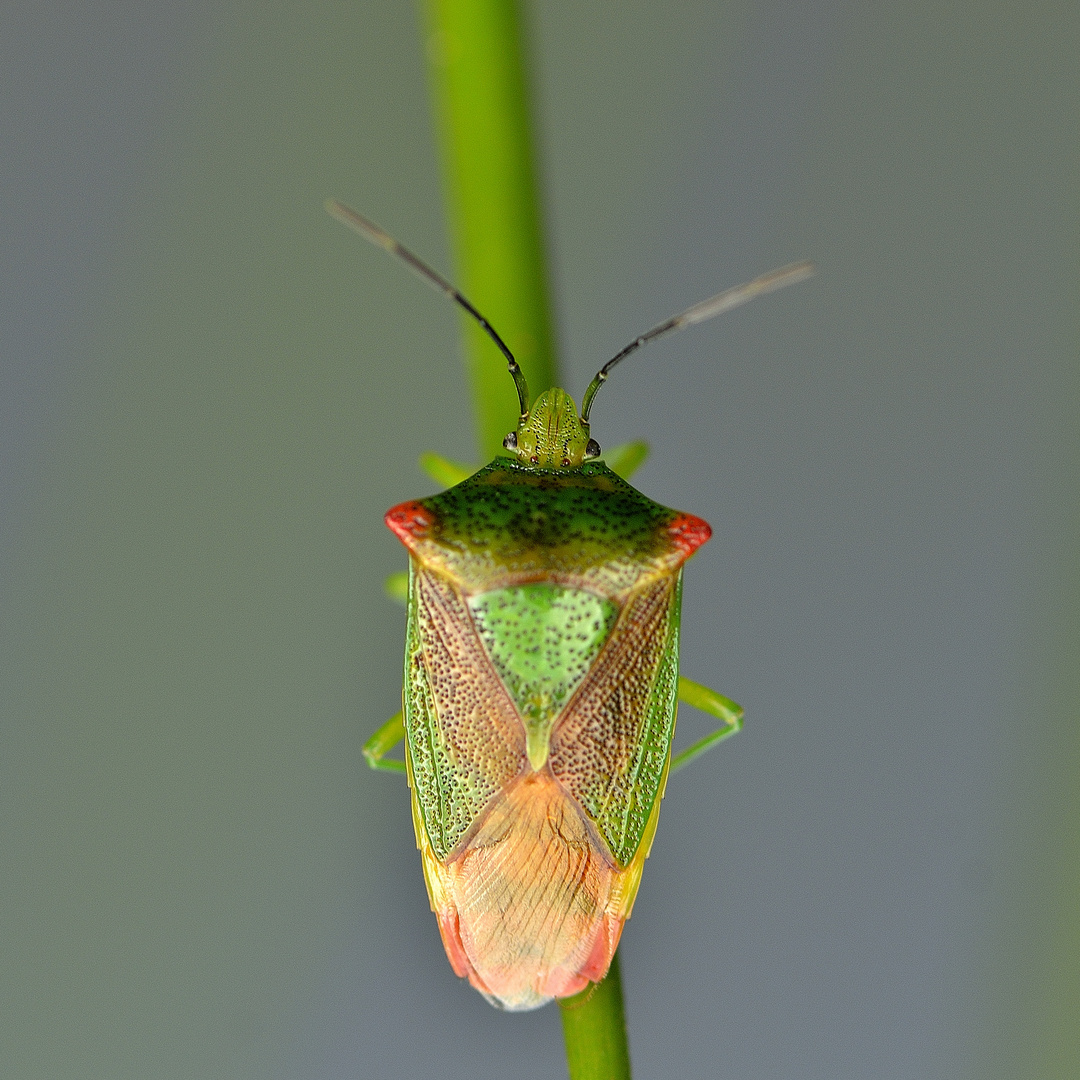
x=210 y=393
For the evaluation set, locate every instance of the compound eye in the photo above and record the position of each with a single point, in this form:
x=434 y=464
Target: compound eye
x=592 y=449
x=510 y=442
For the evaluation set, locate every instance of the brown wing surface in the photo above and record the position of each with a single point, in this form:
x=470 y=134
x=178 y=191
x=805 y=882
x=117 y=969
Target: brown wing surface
x=466 y=741
x=610 y=746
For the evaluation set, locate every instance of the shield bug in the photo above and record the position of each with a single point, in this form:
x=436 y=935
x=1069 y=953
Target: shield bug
x=541 y=681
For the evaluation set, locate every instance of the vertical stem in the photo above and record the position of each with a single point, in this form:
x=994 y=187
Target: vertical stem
x=594 y=1028
x=478 y=75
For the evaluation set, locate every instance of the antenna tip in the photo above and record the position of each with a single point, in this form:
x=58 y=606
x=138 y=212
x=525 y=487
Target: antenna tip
x=791 y=274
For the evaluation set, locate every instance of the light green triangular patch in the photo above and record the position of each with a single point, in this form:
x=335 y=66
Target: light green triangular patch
x=542 y=639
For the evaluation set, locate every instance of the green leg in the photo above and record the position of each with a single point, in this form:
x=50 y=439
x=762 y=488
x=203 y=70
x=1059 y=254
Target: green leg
x=624 y=460
x=396 y=587
x=382 y=742
x=701 y=697
x=444 y=471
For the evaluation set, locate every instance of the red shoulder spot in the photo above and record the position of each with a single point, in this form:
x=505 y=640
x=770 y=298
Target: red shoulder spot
x=409 y=521
x=688 y=533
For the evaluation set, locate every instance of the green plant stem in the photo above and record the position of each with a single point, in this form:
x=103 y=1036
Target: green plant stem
x=478 y=74
x=594 y=1029
x=476 y=58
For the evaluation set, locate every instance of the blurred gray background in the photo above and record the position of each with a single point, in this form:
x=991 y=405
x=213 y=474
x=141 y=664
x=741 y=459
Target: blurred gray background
x=210 y=393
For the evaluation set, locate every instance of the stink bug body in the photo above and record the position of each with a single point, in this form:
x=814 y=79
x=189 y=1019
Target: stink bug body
x=541 y=683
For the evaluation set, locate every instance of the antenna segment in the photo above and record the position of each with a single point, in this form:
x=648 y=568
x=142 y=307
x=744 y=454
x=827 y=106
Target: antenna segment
x=705 y=309
x=370 y=231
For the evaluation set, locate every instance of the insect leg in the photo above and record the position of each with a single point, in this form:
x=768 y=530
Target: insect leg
x=624 y=460
x=382 y=742
x=701 y=697
x=444 y=471
x=396 y=586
